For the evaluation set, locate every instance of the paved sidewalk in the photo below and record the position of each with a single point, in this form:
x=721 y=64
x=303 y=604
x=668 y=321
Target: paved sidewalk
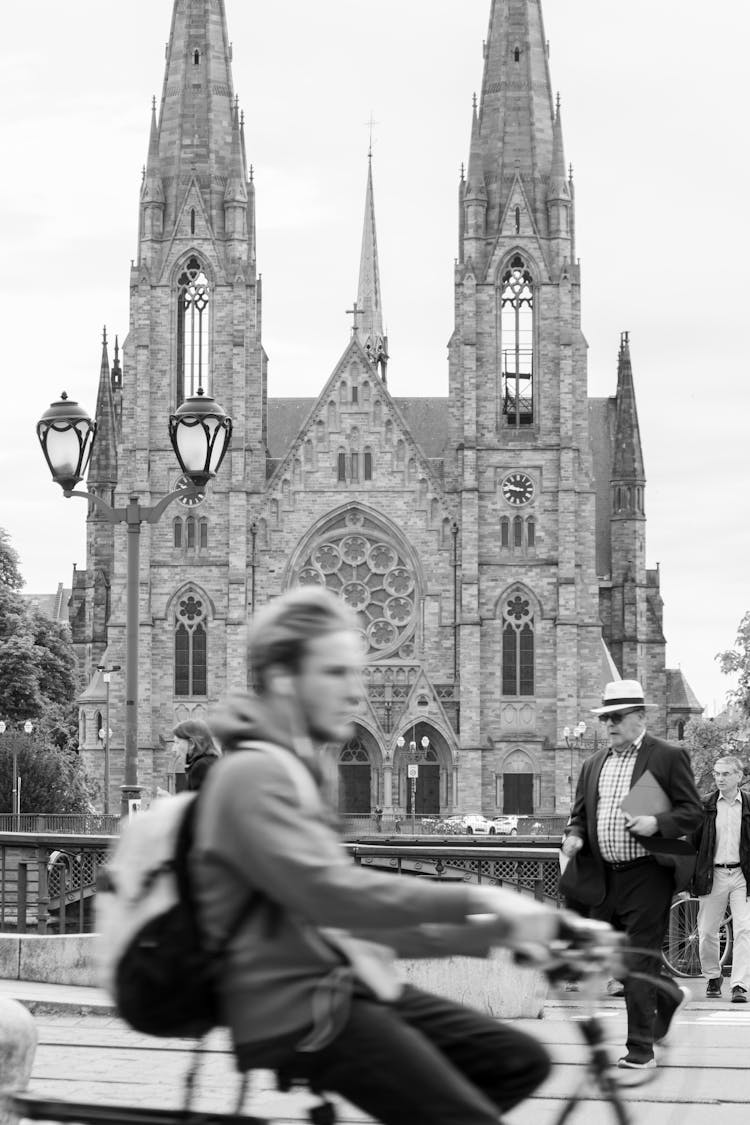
x=86 y=1054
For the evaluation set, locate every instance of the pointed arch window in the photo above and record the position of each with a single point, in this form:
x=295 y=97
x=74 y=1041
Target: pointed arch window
x=518 y=532
x=518 y=646
x=193 y=336
x=517 y=343
x=190 y=647
x=178 y=532
x=368 y=464
x=504 y=532
x=203 y=530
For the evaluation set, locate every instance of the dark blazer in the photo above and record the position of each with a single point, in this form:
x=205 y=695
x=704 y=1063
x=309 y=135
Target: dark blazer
x=704 y=840
x=670 y=765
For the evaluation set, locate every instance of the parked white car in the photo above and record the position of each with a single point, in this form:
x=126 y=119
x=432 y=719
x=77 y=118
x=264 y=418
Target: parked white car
x=474 y=824
x=505 y=825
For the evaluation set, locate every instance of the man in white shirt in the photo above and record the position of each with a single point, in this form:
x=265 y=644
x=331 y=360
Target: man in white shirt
x=722 y=876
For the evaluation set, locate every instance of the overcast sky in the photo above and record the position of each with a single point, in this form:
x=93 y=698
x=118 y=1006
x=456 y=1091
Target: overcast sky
x=654 y=103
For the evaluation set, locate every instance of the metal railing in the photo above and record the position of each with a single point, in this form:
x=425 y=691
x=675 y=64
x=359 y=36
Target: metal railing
x=48 y=880
x=81 y=824
x=531 y=827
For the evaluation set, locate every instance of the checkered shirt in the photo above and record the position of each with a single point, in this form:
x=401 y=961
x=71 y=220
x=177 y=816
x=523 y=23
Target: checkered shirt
x=616 y=844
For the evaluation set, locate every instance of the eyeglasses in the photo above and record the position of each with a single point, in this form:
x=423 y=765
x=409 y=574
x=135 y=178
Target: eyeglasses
x=615 y=719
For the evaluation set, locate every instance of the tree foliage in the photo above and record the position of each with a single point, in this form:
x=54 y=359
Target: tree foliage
x=52 y=780
x=10 y=565
x=36 y=654
x=709 y=739
x=736 y=661
x=37 y=683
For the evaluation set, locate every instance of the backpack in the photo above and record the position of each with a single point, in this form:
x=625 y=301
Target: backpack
x=152 y=961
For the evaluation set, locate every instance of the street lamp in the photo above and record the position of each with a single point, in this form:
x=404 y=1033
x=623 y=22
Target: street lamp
x=106 y=733
x=573 y=740
x=415 y=757
x=28 y=727
x=200 y=432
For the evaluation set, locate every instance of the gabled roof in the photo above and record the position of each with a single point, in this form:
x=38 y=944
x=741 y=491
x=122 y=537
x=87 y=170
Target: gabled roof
x=427 y=418
x=680 y=695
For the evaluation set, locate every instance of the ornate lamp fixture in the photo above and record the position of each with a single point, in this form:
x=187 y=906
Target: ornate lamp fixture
x=200 y=432
x=66 y=435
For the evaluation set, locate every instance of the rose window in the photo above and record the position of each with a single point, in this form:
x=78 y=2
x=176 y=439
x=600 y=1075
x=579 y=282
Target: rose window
x=373 y=576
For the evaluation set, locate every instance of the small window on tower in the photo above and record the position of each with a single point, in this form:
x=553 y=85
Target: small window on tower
x=355 y=395
x=342 y=467
x=368 y=465
x=530 y=533
x=196 y=58
x=517 y=55
x=192 y=220
x=504 y=532
x=518 y=220
x=518 y=532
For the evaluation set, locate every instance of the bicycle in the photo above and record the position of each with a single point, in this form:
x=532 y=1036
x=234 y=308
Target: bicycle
x=680 y=949
x=583 y=953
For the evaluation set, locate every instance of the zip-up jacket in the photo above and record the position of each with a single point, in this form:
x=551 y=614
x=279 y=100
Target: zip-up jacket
x=704 y=839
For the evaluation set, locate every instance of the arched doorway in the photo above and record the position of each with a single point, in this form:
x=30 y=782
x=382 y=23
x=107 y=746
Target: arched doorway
x=518 y=784
x=355 y=777
x=431 y=788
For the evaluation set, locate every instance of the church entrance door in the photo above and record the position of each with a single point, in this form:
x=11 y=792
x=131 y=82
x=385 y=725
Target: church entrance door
x=518 y=793
x=354 y=778
x=428 y=790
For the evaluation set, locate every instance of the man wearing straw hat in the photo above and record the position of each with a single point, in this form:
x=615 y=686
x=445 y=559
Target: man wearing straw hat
x=630 y=861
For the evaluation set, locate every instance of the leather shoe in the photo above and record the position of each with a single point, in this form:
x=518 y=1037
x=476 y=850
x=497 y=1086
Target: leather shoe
x=637 y=1061
x=713 y=988
x=664 y=1023
x=739 y=994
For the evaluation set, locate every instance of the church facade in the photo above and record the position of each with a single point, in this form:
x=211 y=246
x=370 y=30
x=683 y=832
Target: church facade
x=493 y=541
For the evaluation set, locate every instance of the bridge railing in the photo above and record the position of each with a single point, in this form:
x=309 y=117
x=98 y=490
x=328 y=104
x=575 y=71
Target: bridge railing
x=79 y=824
x=48 y=880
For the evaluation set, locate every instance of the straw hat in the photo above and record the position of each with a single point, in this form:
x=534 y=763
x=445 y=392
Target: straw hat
x=621 y=695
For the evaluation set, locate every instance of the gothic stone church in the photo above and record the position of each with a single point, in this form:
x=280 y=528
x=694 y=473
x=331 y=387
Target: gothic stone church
x=493 y=541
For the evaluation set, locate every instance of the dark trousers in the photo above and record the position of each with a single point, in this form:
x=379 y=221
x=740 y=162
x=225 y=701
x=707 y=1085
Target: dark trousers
x=420 y=1061
x=637 y=902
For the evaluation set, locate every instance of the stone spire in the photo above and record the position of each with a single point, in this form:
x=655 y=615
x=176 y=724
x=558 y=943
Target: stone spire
x=516 y=120
x=235 y=194
x=152 y=189
x=102 y=474
x=627 y=462
x=196 y=122
x=369 y=303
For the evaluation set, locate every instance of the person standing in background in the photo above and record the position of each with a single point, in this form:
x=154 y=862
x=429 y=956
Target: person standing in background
x=722 y=877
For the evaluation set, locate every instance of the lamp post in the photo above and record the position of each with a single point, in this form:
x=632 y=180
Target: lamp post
x=574 y=741
x=200 y=432
x=28 y=727
x=106 y=734
x=412 y=769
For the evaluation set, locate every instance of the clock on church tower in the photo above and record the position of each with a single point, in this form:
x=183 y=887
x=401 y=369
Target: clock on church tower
x=518 y=489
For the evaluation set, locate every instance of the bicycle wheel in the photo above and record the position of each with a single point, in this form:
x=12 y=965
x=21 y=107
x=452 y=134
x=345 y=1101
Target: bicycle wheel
x=680 y=948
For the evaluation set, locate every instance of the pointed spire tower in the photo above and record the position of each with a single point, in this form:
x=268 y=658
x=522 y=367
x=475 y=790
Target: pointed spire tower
x=516 y=139
x=196 y=122
x=102 y=474
x=628 y=477
x=517 y=384
x=369 y=304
